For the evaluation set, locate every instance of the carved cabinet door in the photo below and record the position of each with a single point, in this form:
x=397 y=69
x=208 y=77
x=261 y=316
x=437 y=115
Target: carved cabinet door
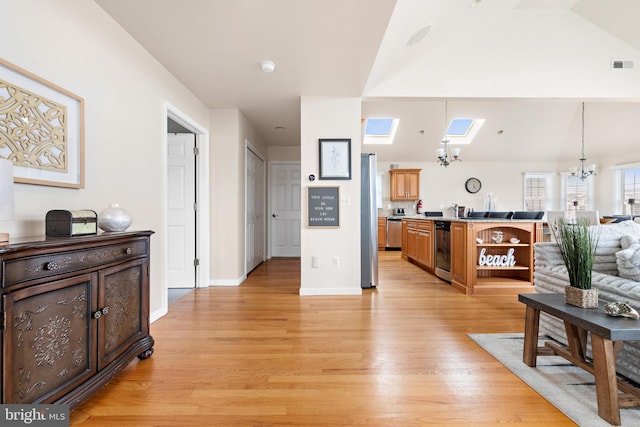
x=49 y=338
x=121 y=300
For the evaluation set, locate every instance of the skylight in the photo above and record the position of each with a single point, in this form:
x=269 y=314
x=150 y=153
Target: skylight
x=462 y=131
x=380 y=130
x=459 y=127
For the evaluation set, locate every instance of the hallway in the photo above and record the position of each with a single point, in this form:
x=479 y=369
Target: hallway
x=261 y=355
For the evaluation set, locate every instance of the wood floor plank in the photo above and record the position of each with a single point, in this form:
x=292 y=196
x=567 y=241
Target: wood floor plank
x=261 y=355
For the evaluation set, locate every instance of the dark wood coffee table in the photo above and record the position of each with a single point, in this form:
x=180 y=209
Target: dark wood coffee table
x=607 y=338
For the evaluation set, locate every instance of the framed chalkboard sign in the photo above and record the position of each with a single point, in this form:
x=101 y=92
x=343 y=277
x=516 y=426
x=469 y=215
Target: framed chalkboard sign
x=323 y=207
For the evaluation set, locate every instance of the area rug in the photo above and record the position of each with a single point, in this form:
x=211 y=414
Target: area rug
x=567 y=387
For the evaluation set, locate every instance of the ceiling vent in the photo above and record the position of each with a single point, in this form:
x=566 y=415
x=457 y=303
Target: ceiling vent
x=620 y=64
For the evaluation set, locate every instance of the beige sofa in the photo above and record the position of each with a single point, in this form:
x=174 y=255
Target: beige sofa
x=616 y=264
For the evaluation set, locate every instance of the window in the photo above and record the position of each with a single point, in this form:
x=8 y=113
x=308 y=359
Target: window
x=626 y=186
x=380 y=130
x=462 y=131
x=538 y=191
x=631 y=189
x=459 y=127
x=577 y=194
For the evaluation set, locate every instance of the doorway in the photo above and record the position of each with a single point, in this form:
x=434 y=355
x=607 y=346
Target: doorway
x=185 y=229
x=255 y=211
x=285 y=214
x=181 y=210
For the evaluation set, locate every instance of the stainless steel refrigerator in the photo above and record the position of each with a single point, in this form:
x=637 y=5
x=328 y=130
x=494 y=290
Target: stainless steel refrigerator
x=368 y=221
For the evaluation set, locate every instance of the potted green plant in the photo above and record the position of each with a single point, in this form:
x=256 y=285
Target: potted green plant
x=577 y=242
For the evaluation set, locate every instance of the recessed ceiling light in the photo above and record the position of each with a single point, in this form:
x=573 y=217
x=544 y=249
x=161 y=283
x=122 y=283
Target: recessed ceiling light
x=419 y=35
x=474 y=2
x=267 y=66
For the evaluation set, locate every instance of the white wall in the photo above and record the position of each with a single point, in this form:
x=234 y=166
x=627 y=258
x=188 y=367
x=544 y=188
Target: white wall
x=227 y=200
x=230 y=132
x=283 y=153
x=328 y=117
x=440 y=187
x=125 y=90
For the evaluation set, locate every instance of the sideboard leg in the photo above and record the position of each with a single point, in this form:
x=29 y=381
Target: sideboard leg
x=145 y=354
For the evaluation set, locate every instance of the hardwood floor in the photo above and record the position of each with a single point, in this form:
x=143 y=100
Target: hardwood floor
x=261 y=355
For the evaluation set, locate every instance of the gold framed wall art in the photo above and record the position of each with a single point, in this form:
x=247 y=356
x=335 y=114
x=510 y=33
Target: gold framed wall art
x=41 y=129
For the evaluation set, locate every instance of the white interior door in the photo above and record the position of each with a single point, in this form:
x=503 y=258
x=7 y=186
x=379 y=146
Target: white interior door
x=181 y=210
x=284 y=195
x=255 y=211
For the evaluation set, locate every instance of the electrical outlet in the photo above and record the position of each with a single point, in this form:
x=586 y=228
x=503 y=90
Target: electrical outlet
x=315 y=262
x=336 y=261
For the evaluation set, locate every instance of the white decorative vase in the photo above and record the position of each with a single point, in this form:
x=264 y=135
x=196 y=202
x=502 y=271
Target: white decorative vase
x=114 y=218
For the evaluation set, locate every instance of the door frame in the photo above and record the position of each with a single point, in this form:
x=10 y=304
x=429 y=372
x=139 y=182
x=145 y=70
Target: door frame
x=270 y=198
x=188 y=141
x=202 y=237
x=254 y=150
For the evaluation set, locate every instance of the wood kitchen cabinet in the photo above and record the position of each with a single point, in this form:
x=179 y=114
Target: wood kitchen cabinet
x=405 y=184
x=477 y=261
x=418 y=242
x=459 y=264
x=76 y=312
x=481 y=266
x=405 y=238
x=382 y=233
x=425 y=249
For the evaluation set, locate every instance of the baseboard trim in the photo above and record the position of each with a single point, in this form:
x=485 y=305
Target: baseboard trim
x=237 y=282
x=330 y=291
x=158 y=314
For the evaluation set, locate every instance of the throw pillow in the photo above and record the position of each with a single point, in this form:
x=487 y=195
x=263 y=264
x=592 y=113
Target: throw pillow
x=628 y=240
x=628 y=261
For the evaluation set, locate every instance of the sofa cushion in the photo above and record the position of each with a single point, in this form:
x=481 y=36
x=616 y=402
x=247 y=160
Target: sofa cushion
x=609 y=242
x=628 y=261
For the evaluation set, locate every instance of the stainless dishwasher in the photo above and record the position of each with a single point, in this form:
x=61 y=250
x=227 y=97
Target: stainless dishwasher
x=394 y=233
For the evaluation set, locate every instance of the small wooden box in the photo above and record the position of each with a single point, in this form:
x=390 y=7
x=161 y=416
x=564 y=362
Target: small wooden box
x=61 y=223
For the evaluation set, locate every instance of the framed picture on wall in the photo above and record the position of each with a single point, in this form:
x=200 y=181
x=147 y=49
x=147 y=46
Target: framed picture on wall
x=335 y=158
x=43 y=129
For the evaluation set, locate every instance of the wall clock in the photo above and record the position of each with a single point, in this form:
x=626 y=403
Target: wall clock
x=473 y=185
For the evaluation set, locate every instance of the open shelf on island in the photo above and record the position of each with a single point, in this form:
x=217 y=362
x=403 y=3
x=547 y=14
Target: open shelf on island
x=501 y=286
x=493 y=272
x=507 y=244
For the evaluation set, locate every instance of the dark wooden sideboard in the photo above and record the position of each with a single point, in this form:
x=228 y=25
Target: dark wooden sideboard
x=75 y=311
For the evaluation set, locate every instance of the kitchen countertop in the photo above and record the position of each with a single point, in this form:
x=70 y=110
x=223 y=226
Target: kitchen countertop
x=466 y=219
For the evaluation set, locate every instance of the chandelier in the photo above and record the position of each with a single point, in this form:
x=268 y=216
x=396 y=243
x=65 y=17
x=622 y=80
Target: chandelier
x=584 y=172
x=445 y=155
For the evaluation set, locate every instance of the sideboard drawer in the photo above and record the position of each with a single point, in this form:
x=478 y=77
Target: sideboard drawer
x=25 y=269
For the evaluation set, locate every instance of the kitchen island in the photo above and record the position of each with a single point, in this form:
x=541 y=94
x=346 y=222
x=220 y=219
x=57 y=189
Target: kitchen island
x=487 y=256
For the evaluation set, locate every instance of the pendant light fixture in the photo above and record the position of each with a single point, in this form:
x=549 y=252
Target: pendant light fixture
x=446 y=156
x=584 y=172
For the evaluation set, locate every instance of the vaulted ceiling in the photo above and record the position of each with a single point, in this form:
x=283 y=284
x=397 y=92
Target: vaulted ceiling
x=523 y=65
